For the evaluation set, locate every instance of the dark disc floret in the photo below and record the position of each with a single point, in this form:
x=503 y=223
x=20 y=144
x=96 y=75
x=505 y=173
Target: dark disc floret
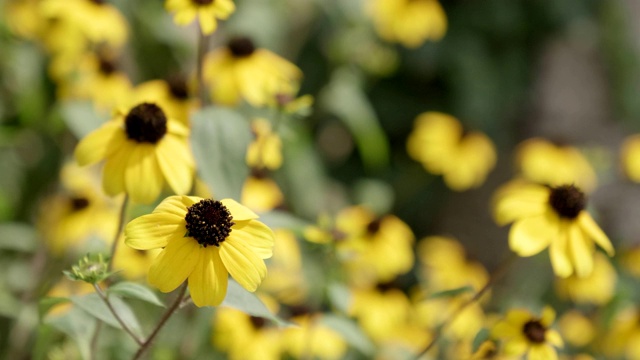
x=202 y=2
x=178 y=87
x=209 y=222
x=78 y=203
x=146 y=123
x=258 y=322
x=567 y=200
x=106 y=66
x=241 y=47
x=374 y=226
x=534 y=331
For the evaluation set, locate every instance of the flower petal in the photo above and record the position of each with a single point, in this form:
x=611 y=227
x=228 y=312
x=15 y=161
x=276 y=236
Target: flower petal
x=558 y=252
x=531 y=235
x=207 y=20
x=542 y=352
x=208 y=281
x=238 y=211
x=143 y=178
x=580 y=250
x=515 y=347
x=554 y=338
x=153 y=231
x=518 y=201
x=591 y=228
x=99 y=143
x=245 y=266
x=548 y=315
x=174 y=264
x=115 y=168
x=176 y=164
x=257 y=236
x=173 y=205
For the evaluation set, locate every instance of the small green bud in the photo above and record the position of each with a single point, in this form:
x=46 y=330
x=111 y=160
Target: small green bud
x=92 y=268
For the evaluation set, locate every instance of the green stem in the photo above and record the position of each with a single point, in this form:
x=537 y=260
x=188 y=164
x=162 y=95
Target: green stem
x=105 y=299
x=94 y=340
x=114 y=245
x=203 y=42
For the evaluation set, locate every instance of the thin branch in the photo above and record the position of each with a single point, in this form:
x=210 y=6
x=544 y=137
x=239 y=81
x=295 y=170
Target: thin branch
x=104 y=298
x=114 y=245
x=94 y=340
x=203 y=45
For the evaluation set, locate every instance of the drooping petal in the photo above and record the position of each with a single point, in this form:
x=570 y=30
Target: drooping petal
x=143 y=178
x=99 y=143
x=115 y=168
x=176 y=166
x=153 y=231
x=238 y=211
x=558 y=252
x=185 y=16
x=580 y=251
x=208 y=281
x=174 y=264
x=208 y=22
x=542 y=352
x=531 y=235
x=245 y=266
x=257 y=236
x=591 y=228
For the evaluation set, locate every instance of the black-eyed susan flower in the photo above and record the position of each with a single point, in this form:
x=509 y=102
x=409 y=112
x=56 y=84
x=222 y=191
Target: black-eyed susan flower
x=312 y=338
x=173 y=95
x=245 y=337
x=260 y=193
x=596 y=288
x=622 y=338
x=553 y=217
x=543 y=162
x=242 y=71
x=630 y=154
x=440 y=145
x=524 y=333
x=409 y=22
x=207 y=12
x=203 y=241
x=143 y=149
x=265 y=152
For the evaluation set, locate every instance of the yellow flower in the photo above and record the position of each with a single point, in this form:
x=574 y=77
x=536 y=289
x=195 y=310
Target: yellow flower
x=23 y=18
x=260 y=193
x=433 y=312
x=266 y=150
x=623 y=338
x=576 y=328
x=286 y=281
x=524 y=333
x=597 y=288
x=67 y=288
x=245 y=337
x=207 y=11
x=143 y=149
x=631 y=157
x=553 y=217
x=545 y=163
x=313 y=339
x=240 y=71
x=409 y=22
x=439 y=144
x=133 y=264
x=204 y=241
x=631 y=261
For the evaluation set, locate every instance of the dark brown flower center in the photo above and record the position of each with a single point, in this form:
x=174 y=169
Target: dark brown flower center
x=209 y=222
x=534 y=331
x=241 y=47
x=178 y=87
x=106 y=66
x=567 y=201
x=374 y=226
x=258 y=322
x=146 y=123
x=202 y=2
x=78 y=203
x=99 y=2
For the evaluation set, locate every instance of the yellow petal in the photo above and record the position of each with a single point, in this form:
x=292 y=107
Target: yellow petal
x=580 y=250
x=208 y=281
x=173 y=205
x=520 y=203
x=174 y=163
x=208 y=22
x=143 y=178
x=257 y=236
x=115 y=169
x=99 y=143
x=558 y=251
x=174 y=264
x=553 y=338
x=591 y=229
x=238 y=211
x=245 y=266
x=548 y=315
x=185 y=16
x=515 y=347
x=153 y=231
x=530 y=236
x=542 y=352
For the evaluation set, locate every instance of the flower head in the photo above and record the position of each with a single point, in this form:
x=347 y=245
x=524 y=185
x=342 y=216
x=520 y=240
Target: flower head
x=207 y=12
x=553 y=217
x=203 y=241
x=143 y=149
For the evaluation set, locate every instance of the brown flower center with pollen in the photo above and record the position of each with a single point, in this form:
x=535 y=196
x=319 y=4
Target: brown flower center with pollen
x=534 y=331
x=567 y=200
x=146 y=123
x=241 y=47
x=202 y=2
x=209 y=222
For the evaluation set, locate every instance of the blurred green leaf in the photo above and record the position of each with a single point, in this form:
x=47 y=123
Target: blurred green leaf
x=340 y=296
x=351 y=333
x=47 y=303
x=345 y=98
x=282 y=220
x=374 y=194
x=77 y=325
x=18 y=237
x=247 y=302
x=135 y=291
x=451 y=292
x=95 y=306
x=481 y=336
x=81 y=117
x=219 y=138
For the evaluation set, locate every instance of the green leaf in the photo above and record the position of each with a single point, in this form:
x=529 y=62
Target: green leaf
x=219 y=138
x=351 y=333
x=481 y=336
x=77 y=325
x=451 y=292
x=81 y=117
x=18 y=237
x=45 y=304
x=283 y=220
x=345 y=98
x=93 y=305
x=135 y=291
x=340 y=296
x=247 y=302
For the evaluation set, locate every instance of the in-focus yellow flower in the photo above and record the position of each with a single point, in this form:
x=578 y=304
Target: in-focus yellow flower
x=523 y=333
x=266 y=150
x=630 y=154
x=143 y=149
x=207 y=12
x=311 y=338
x=245 y=337
x=576 y=329
x=553 y=217
x=597 y=288
x=240 y=71
x=409 y=22
x=545 y=163
x=204 y=241
x=440 y=145
x=78 y=212
x=172 y=95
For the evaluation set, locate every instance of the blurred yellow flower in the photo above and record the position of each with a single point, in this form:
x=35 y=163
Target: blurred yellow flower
x=597 y=288
x=623 y=336
x=240 y=71
x=631 y=260
x=434 y=312
x=545 y=163
x=630 y=154
x=312 y=339
x=143 y=149
x=133 y=264
x=523 y=333
x=173 y=96
x=260 y=193
x=409 y=22
x=207 y=12
x=204 y=241
x=440 y=145
x=576 y=329
x=553 y=217
x=23 y=18
x=266 y=150
x=65 y=288
x=245 y=337
x=286 y=281
x=77 y=212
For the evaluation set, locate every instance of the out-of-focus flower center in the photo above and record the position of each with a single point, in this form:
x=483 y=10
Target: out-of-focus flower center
x=567 y=201
x=106 y=66
x=178 y=87
x=209 y=222
x=241 y=47
x=202 y=2
x=534 y=331
x=78 y=203
x=146 y=123
x=99 y=2
x=374 y=226
x=257 y=322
